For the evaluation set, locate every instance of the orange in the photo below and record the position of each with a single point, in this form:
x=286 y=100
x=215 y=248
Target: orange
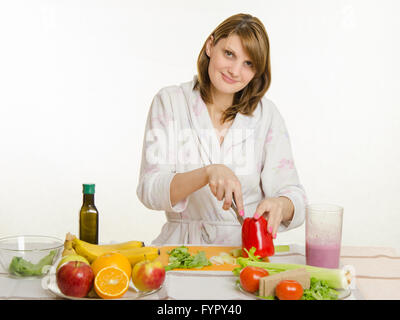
x=112 y=259
x=111 y=283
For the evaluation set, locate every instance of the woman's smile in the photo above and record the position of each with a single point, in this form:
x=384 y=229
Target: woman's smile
x=227 y=79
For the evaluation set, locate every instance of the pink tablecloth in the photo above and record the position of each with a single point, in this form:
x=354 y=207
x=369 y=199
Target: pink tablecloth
x=376 y=269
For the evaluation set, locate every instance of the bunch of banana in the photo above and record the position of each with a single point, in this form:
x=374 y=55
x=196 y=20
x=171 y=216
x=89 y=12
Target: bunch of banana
x=133 y=250
x=68 y=246
x=136 y=255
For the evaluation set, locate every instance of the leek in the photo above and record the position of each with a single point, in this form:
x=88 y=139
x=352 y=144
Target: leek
x=222 y=258
x=236 y=252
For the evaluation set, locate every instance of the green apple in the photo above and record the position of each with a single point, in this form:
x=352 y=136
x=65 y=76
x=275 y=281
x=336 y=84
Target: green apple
x=72 y=257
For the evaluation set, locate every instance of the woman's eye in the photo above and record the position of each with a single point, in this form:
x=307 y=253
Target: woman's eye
x=228 y=53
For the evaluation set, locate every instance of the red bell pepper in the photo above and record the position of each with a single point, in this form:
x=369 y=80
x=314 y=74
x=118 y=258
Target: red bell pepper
x=255 y=234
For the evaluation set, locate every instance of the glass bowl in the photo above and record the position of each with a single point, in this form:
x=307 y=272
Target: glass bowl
x=29 y=256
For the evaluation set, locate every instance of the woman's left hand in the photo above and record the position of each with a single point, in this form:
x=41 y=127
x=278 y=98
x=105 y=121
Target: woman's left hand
x=275 y=210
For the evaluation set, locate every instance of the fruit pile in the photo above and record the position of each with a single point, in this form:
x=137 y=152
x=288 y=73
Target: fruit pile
x=105 y=271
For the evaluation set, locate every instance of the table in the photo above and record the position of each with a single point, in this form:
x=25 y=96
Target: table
x=377 y=276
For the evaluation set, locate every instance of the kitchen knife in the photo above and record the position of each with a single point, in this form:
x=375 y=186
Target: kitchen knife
x=239 y=217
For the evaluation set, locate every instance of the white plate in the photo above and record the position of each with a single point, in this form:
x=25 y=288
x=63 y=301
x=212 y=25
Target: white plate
x=132 y=294
x=343 y=294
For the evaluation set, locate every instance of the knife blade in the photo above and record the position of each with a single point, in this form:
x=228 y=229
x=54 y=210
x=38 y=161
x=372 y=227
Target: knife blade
x=238 y=216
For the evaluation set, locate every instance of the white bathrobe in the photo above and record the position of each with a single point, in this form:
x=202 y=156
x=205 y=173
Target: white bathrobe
x=180 y=137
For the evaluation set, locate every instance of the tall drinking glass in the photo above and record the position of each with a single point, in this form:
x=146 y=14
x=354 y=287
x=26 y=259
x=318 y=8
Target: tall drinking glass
x=323 y=235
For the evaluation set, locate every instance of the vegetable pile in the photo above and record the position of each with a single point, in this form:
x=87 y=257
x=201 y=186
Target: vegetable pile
x=322 y=283
x=319 y=290
x=180 y=258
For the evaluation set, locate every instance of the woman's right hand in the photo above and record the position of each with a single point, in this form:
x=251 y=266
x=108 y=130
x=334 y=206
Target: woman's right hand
x=224 y=184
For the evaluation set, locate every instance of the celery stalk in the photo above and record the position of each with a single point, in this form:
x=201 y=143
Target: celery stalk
x=282 y=248
x=335 y=278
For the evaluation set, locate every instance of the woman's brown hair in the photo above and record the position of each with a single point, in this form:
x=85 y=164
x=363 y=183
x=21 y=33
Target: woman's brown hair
x=256 y=43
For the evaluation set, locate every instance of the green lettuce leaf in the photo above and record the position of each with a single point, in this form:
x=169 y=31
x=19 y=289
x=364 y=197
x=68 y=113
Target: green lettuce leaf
x=180 y=258
x=319 y=290
x=23 y=268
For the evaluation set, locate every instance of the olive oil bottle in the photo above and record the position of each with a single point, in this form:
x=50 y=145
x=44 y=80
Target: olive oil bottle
x=89 y=216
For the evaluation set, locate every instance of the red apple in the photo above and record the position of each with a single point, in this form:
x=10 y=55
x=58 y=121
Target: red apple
x=148 y=275
x=75 y=279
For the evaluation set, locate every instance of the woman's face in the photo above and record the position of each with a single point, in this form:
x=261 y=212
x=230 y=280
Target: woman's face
x=230 y=68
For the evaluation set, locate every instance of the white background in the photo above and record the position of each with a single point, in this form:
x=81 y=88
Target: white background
x=77 y=79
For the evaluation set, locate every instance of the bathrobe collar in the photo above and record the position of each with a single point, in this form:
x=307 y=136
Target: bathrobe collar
x=242 y=128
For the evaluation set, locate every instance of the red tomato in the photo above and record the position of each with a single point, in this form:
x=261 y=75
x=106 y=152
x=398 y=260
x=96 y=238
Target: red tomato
x=250 y=278
x=289 y=290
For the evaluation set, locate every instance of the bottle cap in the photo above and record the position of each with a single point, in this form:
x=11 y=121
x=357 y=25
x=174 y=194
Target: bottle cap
x=88 y=188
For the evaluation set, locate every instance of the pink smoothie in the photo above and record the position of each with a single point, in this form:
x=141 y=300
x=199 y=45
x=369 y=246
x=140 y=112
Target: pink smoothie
x=326 y=256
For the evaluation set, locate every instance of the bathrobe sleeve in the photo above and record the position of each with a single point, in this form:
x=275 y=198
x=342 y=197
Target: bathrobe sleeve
x=279 y=175
x=158 y=165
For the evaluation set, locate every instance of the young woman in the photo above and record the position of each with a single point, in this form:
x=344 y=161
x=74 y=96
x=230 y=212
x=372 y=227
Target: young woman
x=218 y=139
